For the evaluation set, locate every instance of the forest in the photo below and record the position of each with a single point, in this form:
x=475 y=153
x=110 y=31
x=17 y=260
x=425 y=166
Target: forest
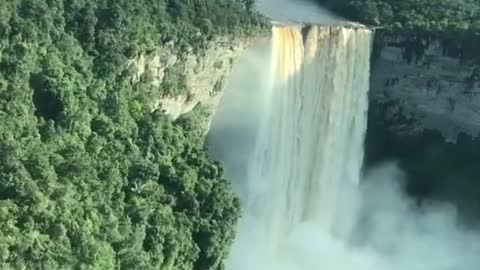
x=431 y=16
x=90 y=178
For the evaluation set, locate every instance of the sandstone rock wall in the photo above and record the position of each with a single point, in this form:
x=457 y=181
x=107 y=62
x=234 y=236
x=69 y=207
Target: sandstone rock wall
x=203 y=73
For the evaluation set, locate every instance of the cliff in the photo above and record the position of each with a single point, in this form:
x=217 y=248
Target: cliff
x=426 y=83
x=424 y=113
x=420 y=82
x=201 y=74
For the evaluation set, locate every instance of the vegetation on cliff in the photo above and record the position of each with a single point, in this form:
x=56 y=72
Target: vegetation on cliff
x=89 y=177
x=412 y=15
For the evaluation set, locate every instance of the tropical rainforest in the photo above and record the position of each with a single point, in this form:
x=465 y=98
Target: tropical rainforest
x=90 y=177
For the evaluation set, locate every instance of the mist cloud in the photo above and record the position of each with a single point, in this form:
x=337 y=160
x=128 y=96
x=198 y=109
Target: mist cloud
x=391 y=233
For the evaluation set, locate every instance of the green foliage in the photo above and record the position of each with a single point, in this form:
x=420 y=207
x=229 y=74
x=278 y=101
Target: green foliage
x=89 y=177
x=174 y=82
x=412 y=15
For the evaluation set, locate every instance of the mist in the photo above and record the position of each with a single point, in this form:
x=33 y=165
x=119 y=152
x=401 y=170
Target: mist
x=405 y=235
x=381 y=227
x=391 y=233
x=234 y=127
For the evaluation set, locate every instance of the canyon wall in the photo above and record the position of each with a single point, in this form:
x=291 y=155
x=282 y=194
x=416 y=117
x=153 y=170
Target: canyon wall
x=200 y=75
x=424 y=82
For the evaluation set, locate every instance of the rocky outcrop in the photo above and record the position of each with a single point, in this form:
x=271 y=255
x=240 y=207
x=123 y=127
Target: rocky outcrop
x=427 y=83
x=200 y=75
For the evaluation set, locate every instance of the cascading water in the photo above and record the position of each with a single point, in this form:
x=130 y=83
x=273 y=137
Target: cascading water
x=309 y=147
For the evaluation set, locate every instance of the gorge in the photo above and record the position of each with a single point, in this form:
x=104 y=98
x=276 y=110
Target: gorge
x=295 y=156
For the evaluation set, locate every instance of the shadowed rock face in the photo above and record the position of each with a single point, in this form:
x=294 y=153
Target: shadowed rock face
x=433 y=83
x=424 y=111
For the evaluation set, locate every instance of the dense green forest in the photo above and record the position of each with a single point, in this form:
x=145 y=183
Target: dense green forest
x=433 y=16
x=89 y=177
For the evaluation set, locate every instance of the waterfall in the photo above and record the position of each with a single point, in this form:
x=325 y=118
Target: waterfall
x=310 y=144
x=308 y=150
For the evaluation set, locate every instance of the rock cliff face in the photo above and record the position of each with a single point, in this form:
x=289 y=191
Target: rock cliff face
x=426 y=83
x=418 y=82
x=201 y=74
x=424 y=114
